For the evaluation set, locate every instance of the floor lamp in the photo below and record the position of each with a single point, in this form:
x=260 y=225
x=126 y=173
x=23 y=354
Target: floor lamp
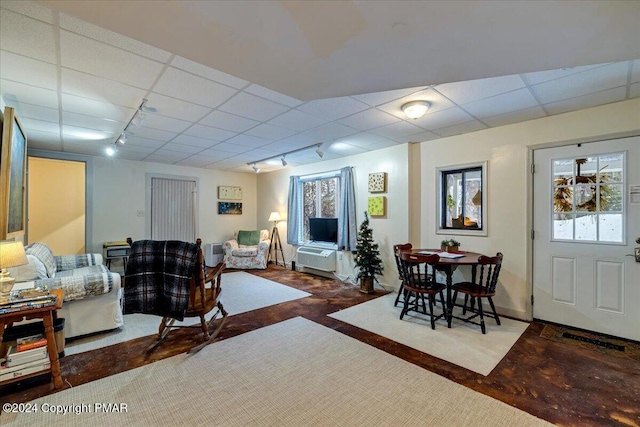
x=275 y=239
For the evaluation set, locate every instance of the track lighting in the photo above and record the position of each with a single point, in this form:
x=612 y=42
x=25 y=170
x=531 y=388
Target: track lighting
x=123 y=138
x=283 y=155
x=284 y=162
x=110 y=151
x=255 y=168
x=319 y=152
x=137 y=119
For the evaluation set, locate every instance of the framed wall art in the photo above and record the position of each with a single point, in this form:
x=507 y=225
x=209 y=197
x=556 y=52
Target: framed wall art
x=229 y=208
x=13 y=161
x=229 y=193
x=377 y=206
x=378 y=182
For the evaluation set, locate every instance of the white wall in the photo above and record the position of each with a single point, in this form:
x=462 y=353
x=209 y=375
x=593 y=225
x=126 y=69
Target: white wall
x=119 y=189
x=507 y=150
x=273 y=188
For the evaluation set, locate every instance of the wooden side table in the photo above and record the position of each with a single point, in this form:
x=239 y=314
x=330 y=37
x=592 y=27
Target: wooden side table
x=48 y=315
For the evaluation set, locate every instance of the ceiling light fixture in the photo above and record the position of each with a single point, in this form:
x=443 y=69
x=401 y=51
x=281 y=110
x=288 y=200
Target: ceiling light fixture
x=110 y=151
x=123 y=138
x=415 y=109
x=283 y=155
x=137 y=119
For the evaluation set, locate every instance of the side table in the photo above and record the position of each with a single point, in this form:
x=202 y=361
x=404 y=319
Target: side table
x=48 y=315
x=116 y=250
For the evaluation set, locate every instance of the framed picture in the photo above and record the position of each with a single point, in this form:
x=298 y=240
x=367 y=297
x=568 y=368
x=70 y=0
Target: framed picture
x=13 y=162
x=229 y=208
x=229 y=193
x=377 y=206
x=378 y=182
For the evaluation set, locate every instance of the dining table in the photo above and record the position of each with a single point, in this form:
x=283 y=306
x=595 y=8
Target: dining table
x=448 y=263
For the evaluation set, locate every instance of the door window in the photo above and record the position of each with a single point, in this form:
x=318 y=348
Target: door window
x=588 y=198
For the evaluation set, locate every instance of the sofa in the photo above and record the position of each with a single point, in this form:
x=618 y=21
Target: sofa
x=249 y=249
x=92 y=293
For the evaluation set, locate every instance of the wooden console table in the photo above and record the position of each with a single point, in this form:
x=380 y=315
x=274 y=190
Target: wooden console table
x=48 y=315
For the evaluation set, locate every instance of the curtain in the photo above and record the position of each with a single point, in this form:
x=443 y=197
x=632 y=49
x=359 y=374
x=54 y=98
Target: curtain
x=294 y=210
x=347 y=228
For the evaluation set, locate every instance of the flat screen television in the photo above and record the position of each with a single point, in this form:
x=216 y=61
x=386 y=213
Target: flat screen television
x=323 y=230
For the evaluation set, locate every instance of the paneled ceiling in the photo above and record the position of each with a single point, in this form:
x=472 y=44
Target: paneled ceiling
x=234 y=83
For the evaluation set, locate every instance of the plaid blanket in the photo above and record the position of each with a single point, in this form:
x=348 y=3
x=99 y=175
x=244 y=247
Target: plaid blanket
x=158 y=277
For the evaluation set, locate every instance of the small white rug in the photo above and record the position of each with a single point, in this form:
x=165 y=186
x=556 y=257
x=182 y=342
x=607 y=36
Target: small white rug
x=463 y=344
x=293 y=373
x=241 y=292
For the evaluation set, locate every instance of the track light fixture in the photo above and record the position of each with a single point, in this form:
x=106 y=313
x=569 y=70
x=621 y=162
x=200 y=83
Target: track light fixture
x=123 y=138
x=283 y=155
x=137 y=119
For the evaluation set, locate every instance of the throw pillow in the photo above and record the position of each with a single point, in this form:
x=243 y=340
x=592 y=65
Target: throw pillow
x=44 y=254
x=33 y=270
x=248 y=237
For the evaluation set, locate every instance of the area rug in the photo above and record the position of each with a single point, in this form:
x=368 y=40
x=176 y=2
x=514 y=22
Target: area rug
x=463 y=344
x=241 y=292
x=592 y=341
x=293 y=373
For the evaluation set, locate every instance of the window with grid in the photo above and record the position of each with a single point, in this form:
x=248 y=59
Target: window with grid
x=461 y=199
x=320 y=200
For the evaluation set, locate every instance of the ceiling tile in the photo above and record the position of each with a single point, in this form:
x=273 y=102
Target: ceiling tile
x=272 y=95
x=500 y=104
x=194 y=162
x=27 y=36
x=345 y=149
x=181 y=147
x=330 y=132
x=396 y=130
x=16 y=93
x=87 y=55
x=128 y=148
x=188 y=87
x=593 y=80
x=39 y=113
x=78 y=145
x=100 y=34
x=231 y=148
x=129 y=155
x=270 y=132
x=333 y=108
x=297 y=120
x=29 y=8
x=253 y=107
x=136 y=141
x=635 y=71
x=248 y=141
x=299 y=140
x=208 y=132
x=39 y=125
x=156 y=121
x=172 y=107
x=44 y=141
x=379 y=98
x=208 y=72
x=145 y=132
x=548 y=75
x=95 y=108
x=213 y=155
x=100 y=89
x=586 y=101
x=194 y=141
x=515 y=116
x=417 y=137
x=366 y=140
x=89 y=122
x=27 y=70
x=634 y=92
x=473 y=90
x=368 y=119
x=163 y=156
x=471 y=126
x=439 y=119
x=222 y=120
x=436 y=101
x=76 y=133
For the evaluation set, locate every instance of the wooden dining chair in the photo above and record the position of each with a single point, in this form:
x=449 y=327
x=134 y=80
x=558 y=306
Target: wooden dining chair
x=396 y=248
x=484 y=287
x=420 y=281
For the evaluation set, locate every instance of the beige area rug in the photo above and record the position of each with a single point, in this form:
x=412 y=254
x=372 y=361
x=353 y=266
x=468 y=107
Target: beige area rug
x=293 y=373
x=241 y=292
x=463 y=344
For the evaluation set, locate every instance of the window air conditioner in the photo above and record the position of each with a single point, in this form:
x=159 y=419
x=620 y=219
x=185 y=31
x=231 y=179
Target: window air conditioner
x=317 y=258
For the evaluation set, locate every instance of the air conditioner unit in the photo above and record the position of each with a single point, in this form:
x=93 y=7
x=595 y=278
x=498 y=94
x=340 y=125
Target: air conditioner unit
x=317 y=258
x=213 y=254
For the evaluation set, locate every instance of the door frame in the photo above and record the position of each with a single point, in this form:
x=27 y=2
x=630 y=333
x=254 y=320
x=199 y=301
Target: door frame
x=530 y=197
x=88 y=196
x=147 y=214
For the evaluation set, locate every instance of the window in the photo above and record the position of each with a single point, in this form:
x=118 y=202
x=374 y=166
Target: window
x=588 y=202
x=462 y=200
x=320 y=200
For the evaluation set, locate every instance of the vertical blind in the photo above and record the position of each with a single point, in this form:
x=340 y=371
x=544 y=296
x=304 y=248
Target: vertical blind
x=173 y=209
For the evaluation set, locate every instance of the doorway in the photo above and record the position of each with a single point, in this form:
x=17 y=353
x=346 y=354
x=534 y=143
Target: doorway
x=173 y=207
x=585 y=225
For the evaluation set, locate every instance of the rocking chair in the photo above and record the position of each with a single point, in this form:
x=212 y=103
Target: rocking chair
x=160 y=276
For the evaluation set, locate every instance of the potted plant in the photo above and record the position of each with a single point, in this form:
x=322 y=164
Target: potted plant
x=450 y=245
x=367 y=257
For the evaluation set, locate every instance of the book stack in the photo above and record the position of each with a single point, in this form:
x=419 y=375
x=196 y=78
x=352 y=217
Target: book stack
x=28 y=356
x=23 y=299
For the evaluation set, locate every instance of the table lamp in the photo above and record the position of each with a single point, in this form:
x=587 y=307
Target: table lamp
x=11 y=255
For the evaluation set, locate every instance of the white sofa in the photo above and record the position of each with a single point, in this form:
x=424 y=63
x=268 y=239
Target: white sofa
x=237 y=254
x=92 y=294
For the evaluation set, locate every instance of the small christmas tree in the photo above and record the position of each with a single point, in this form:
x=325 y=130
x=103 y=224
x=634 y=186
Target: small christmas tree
x=367 y=257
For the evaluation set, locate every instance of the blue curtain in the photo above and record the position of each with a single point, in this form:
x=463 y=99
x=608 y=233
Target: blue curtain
x=347 y=228
x=294 y=210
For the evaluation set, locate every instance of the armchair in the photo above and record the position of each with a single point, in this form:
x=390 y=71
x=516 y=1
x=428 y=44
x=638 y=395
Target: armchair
x=247 y=249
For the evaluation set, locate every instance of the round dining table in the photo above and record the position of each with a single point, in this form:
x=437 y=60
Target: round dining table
x=448 y=266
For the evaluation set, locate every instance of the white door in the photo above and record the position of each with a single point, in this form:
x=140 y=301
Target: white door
x=585 y=224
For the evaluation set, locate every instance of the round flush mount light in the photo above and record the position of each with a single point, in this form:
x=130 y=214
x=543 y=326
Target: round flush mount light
x=415 y=109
